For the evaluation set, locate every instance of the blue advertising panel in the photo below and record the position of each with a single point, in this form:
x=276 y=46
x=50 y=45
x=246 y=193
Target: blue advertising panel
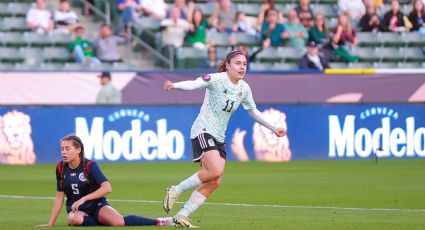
x=162 y=133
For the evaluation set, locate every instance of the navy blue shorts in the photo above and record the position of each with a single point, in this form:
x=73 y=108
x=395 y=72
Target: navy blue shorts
x=94 y=212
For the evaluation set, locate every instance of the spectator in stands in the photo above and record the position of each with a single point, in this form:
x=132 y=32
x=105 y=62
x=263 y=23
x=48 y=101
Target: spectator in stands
x=185 y=9
x=198 y=30
x=355 y=9
x=82 y=50
x=108 y=94
x=295 y=32
x=174 y=29
x=272 y=32
x=212 y=60
x=64 y=18
x=319 y=32
x=223 y=16
x=393 y=20
x=106 y=45
x=39 y=19
x=313 y=59
x=129 y=9
x=305 y=13
x=370 y=21
x=344 y=35
x=262 y=16
x=154 y=8
x=417 y=16
x=243 y=25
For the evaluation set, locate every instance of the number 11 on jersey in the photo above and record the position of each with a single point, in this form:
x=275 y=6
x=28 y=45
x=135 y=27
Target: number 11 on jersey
x=231 y=103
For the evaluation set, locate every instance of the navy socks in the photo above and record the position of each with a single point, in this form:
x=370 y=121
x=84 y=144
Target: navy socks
x=138 y=221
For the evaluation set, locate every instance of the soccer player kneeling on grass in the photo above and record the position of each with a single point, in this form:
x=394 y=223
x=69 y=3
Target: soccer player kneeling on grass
x=85 y=188
x=225 y=92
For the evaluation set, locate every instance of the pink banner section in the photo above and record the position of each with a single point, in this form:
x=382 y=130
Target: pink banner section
x=146 y=88
x=290 y=88
x=54 y=88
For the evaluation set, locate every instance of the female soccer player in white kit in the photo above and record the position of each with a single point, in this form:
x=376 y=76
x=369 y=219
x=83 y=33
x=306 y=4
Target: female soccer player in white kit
x=225 y=91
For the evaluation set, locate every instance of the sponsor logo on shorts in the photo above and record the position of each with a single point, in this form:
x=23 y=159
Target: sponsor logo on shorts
x=211 y=142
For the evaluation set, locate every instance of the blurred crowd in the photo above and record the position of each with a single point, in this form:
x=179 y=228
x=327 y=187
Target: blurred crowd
x=184 y=24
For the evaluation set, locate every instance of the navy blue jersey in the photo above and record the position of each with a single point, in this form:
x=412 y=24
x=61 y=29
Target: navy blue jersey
x=75 y=184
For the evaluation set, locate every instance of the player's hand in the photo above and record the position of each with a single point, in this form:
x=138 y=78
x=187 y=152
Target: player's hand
x=168 y=85
x=280 y=132
x=76 y=205
x=44 y=225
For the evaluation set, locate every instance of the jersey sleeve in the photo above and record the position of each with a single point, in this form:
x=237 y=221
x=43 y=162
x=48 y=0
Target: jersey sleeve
x=96 y=173
x=58 y=176
x=248 y=101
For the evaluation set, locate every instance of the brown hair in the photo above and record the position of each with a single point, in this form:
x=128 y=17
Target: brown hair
x=229 y=56
x=77 y=143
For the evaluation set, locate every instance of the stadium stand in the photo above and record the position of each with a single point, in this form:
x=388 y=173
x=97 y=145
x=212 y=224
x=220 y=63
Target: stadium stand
x=20 y=48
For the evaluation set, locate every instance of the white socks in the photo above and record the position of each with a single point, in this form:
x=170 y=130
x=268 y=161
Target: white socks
x=195 y=200
x=191 y=182
x=164 y=221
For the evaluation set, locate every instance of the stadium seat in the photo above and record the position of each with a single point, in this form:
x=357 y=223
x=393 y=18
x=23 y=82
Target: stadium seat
x=258 y=66
x=271 y=54
x=389 y=54
x=189 y=57
x=11 y=39
x=390 y=39
x=284 y=66
x=366 y=54
x=414 y=39
x=32 y=56
x=36 y=39
x=361 y=65
x=412 y=54
x=411 y=65
x=246 y=39
x=207 y=8
x=338 y=65
x=18 y=8
x=327 y=10
x=222 y=52
x=14 y=24
x=60 y=39
x=55 y=54
x=386 y=65
x=148 y=23
x=75 y=66
x=10 y=55
x=121 y=66
x=6 y=66
x=368 y=39
x=220 y=39
x=3 y=10
x=249 y=9
x=51 y=66
x=291 y=54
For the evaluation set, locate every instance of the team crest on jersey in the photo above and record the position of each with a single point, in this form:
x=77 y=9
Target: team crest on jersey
x=225 y=91
x=206 y=77
x=211 y=142
x=82 y=177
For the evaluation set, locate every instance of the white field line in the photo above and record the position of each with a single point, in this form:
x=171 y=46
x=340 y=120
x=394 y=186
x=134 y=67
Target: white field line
x=241 y=205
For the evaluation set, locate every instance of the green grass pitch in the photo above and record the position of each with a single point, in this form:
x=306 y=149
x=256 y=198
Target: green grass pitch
x=328 y=194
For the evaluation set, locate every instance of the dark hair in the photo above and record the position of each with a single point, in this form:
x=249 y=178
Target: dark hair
x=197 y=9
x=77 y=143
x=229 y=56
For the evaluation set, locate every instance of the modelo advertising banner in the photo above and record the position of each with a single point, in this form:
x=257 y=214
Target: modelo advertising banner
x=31 y=135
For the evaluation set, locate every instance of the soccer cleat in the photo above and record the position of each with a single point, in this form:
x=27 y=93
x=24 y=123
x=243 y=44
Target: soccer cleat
x=182 y=222
x=170 y=198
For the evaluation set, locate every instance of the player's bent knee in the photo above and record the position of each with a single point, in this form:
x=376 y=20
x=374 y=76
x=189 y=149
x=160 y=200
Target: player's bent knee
x=75 y=219
x=215 y=173
x=216 y=183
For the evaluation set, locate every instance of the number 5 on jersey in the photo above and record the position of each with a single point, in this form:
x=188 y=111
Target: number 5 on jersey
x=75 y=189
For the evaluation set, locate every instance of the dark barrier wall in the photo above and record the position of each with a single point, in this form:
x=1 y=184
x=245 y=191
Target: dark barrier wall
x=295 y=88
x=161 y=133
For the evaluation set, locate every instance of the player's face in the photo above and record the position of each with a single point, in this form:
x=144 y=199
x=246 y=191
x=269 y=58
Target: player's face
x=69 y=151
x=237 y=67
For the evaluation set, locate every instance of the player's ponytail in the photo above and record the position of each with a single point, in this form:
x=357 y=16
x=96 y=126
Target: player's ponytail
x=229 y=56
x=76 y=141
x=62 y=175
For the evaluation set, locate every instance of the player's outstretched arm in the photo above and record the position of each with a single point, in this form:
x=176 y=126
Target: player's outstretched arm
x=184 y=85
x=57 y=206
x=258 y=117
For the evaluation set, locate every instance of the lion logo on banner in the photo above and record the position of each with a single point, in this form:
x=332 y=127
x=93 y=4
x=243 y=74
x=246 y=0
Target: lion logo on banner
x=16 y=146
x=267 y=146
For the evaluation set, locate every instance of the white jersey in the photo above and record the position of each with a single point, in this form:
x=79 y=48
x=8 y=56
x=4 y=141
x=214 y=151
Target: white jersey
x=222 y=99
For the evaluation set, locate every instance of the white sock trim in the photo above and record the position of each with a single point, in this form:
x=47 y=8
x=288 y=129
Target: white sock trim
x=192 y=182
